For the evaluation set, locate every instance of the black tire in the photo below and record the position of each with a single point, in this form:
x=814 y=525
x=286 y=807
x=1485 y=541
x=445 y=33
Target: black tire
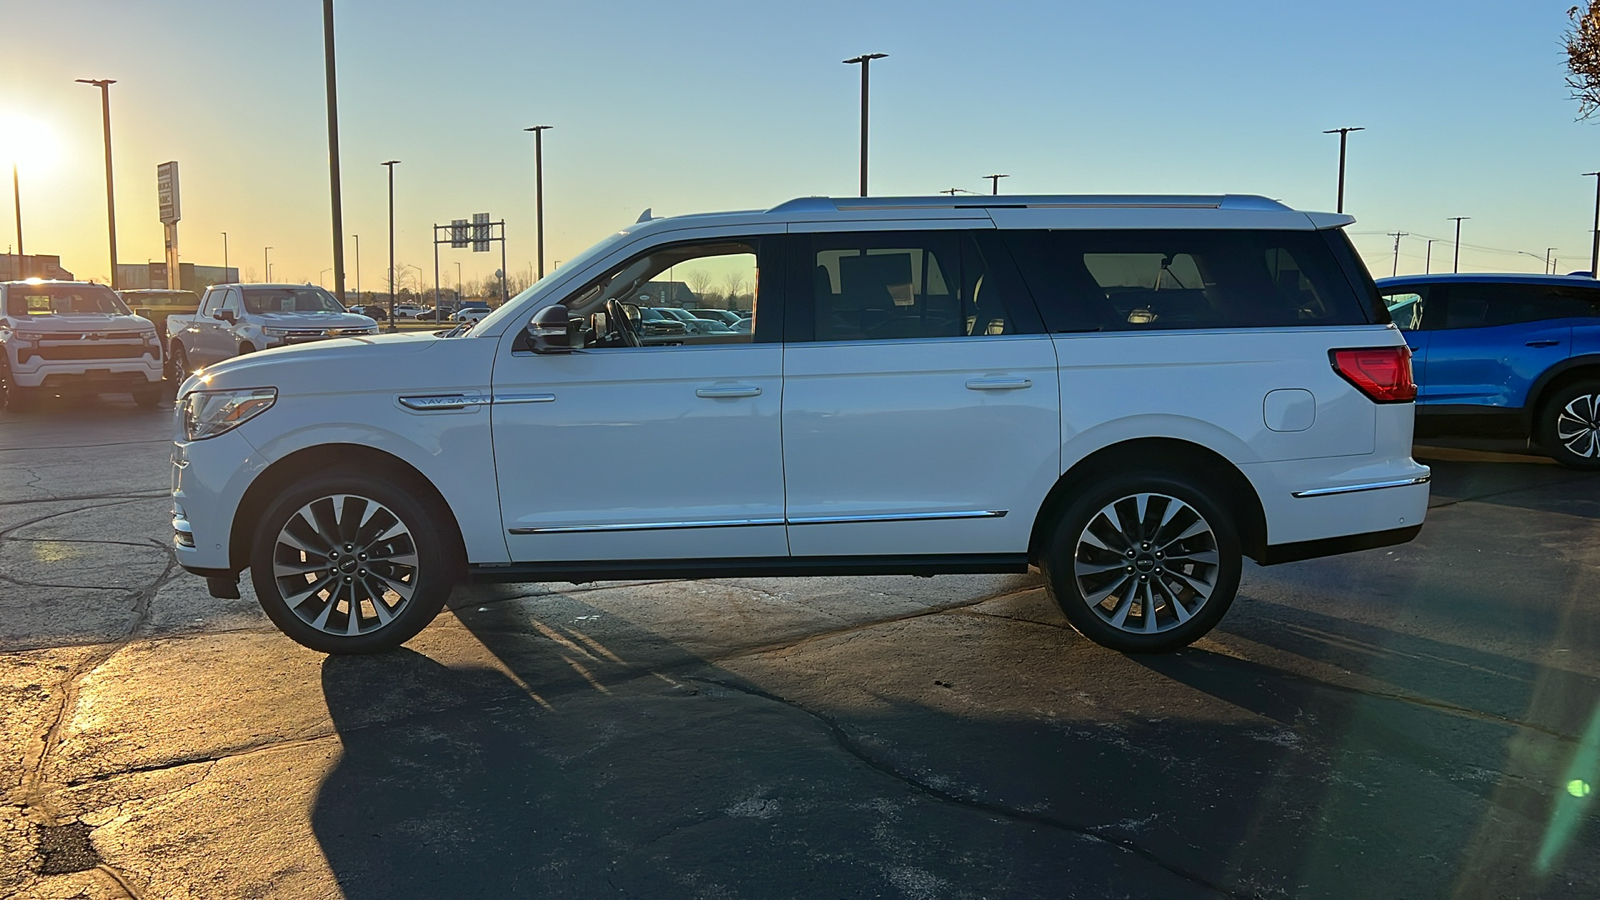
x=1077 y=572
x=422 y=557
x=12 y=395
x=150 y=397
x=178 y=364
x=1569 y=426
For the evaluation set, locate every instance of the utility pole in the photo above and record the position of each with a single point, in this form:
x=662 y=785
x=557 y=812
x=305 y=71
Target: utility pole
x=994 y=181
x=1427 y=265
x=538 y=187
x=16 y=193
x=1458 y=220
x=333 y=151
x=1548 y=268
x=266 y=266
x=358 y=266
x=390 y=164
x=1344 y=142
x=866 y=62
x=1594 y=260
x=224 y=256
x=1397 y=235
x=111 y=203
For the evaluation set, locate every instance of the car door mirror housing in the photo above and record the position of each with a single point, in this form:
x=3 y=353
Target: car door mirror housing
x=224 y=315
x=551 y=331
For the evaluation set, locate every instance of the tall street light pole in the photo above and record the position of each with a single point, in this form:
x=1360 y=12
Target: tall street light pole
x=266 y=266
x=866 y=63
x=358 y=265
x=994 y=183
x=1458 y=220
x=458 y=284
x=333 y=151
x=1594 y=260
x=104 y=84
x=390 y=164
x=224 y=256
x=1427 y=265
x=538 y=187
x=1344 y=142
x=16 y=194
x=1547 y=266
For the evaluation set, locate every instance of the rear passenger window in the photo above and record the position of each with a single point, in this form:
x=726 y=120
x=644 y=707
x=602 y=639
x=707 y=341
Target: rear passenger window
x=1145 y=280
x=1483 y=305
x=910 y=285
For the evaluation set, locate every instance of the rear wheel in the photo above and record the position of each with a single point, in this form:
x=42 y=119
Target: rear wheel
x=346 y=562
x=1144 y=563
x=178 y=363
x=1569 y=425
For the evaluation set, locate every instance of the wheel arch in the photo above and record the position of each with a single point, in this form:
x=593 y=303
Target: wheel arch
x=1159 y=455
x=1555 y=378
x=282 y=473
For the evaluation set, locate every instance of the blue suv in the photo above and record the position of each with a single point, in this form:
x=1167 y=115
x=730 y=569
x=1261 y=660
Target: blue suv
x=1508 y=355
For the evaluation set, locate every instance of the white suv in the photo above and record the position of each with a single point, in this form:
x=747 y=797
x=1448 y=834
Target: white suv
x=1132 y=393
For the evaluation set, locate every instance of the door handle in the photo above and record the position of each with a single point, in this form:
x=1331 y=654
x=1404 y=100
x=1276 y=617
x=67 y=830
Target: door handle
x=999 y=384
x=1547 y=343
x=729 y=392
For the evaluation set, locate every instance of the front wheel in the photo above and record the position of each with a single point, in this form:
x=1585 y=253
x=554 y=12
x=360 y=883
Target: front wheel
x=346 y=562
x=12 y=395
x=1569 y=426
x=1144 y=563
x=178 y=361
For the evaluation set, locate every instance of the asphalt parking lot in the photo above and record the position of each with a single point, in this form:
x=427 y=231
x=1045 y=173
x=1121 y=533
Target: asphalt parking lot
x=1422 y=721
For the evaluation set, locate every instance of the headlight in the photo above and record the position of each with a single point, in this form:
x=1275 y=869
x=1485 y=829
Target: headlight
x=26 y=337
x=206 y=414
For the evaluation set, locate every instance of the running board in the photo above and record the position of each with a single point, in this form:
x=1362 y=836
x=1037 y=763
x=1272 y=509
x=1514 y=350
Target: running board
x=750 y=567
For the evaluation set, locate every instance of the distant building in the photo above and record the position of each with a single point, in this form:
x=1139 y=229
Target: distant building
x=16 y=268
x=142 y=276
x=666 y=293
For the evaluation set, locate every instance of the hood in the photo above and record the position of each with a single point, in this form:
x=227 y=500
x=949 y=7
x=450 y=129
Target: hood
x=312 y=320
x=78 y=323
x=333 y=365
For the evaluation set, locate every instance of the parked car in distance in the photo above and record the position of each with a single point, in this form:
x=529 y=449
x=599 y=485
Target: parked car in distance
x=406 y=310
x=157 y=303
x=470 y=314
x=235 y=319
x=60 y=337
x=1506 y=355
x=725 y=316
x=696 y=324
x=1133 y=393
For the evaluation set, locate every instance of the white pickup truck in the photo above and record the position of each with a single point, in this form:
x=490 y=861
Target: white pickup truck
x=74 y=337
x=235 y=319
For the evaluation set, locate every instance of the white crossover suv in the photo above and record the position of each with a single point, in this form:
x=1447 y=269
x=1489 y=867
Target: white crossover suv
x=1131 y=393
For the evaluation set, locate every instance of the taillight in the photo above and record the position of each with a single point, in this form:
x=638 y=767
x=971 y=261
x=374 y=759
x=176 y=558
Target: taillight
x=1382 y=373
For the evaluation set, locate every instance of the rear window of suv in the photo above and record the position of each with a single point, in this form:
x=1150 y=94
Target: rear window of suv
x=55 y=299
x=1137 y=280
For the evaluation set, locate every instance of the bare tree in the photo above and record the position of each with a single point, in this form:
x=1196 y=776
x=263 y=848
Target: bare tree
x=734 y=283
x=1583 y=57
x=698 y=281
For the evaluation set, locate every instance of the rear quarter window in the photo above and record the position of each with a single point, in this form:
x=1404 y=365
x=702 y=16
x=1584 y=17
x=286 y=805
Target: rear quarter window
x=1138 y=280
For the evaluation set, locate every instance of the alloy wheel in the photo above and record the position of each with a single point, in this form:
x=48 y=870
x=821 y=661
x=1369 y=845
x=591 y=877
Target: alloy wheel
x=1578 y=426
x=1146 y=563
x=345 y=565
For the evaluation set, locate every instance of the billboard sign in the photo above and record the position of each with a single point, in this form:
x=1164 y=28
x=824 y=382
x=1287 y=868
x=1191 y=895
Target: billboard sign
x=167 y=192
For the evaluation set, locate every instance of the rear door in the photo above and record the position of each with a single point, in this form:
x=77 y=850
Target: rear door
x=1495 y=340
x=920 y=408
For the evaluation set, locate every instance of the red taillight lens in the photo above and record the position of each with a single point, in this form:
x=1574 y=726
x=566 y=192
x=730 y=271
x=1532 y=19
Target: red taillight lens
x=1382 y=373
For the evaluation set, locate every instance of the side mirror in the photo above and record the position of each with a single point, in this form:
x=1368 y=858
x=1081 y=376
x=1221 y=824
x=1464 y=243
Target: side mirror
x=142 y=311
x=225 y=315
x=551 y=331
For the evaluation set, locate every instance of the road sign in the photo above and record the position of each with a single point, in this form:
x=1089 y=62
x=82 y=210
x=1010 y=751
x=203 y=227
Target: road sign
x=480 y=232
x=458 y=233
x=167 y=192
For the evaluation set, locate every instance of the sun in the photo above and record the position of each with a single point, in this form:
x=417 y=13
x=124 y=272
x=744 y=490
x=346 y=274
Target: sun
x=26 y=143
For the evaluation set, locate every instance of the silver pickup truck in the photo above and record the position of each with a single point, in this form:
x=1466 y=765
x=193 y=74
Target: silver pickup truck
x=235 y=319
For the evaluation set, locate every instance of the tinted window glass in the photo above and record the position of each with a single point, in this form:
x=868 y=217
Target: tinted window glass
x=62 y=299
x=908 y=285
x=1474 y=305
x=286 y=300
x=1139 y=280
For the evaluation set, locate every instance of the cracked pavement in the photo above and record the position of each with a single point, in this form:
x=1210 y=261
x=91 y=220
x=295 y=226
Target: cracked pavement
x=1415 y=721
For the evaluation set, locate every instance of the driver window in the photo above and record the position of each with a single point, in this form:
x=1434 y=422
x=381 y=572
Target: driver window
x=673 y=296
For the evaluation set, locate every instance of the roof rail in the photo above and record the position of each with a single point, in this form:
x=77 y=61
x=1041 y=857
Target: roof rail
x=1088 y=201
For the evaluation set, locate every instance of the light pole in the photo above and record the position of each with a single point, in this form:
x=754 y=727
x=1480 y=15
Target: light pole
x=390 y=164
x=1344 y=142
x=224 y=256
x=319 y=278
x=333 y=152
x=866 y=64
x=1427 y=265
x=16 y=194
x=994 y=181
x=1550 y=269
x=104 y=84
x=1458 y=220
x=538 y=187
x=1594 y=261
x=266 y=266
x=358 y=266
x=458 y=283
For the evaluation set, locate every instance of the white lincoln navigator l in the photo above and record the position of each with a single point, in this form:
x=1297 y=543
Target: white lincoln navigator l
x=1131 y=393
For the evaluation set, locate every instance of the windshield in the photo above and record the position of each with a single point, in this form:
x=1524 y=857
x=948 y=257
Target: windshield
x=187 y=300
x=290 y=300
x=62 y=300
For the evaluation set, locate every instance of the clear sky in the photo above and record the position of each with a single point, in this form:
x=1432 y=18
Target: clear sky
x=702 y=105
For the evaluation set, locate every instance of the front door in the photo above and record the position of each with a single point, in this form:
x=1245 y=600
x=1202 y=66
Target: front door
x=648 y=445
x=920 y=411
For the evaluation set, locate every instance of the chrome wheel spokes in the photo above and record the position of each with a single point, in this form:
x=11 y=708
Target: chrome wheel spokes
x=1578 y=426
x=1146 y=563
x=345 y=564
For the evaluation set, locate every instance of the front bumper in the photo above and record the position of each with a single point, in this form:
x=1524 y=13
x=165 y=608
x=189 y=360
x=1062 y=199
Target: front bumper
x=209 y=479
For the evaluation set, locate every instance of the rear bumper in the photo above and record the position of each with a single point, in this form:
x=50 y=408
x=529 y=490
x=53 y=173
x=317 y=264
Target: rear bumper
x=1283 y=553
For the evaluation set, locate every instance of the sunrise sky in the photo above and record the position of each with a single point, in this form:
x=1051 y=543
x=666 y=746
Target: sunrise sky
x=700 y=105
